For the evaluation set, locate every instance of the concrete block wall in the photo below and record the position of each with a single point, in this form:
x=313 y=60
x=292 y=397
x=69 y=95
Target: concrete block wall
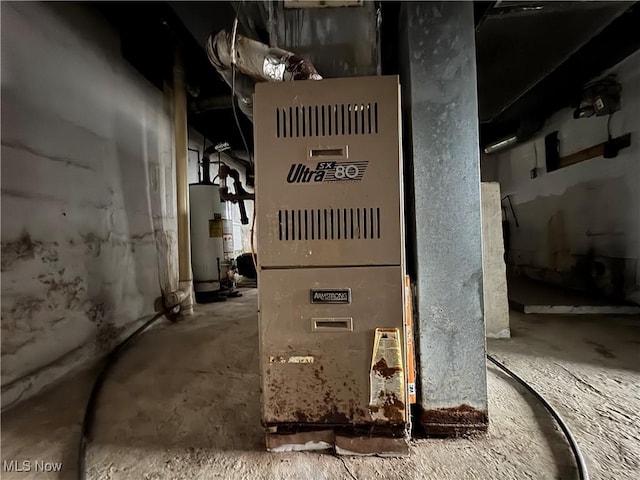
x=494 y=271
x=578 y=226
x=88 y=210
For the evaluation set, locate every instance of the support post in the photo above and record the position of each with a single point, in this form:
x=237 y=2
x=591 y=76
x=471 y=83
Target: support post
x=437 y=42
x=185 y=279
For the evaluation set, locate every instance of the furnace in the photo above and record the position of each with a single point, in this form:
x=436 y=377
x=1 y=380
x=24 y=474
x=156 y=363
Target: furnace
x=331 y=256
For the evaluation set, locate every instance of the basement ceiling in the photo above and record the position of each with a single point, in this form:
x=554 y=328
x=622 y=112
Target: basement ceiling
x=532 y=57
x=518 y=44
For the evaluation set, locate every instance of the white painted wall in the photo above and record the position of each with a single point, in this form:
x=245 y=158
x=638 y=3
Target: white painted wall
x=587 y=208
x=88 y=213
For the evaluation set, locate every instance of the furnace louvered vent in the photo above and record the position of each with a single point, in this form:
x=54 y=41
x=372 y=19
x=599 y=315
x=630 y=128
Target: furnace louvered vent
x=327 y=120
x=329 y=224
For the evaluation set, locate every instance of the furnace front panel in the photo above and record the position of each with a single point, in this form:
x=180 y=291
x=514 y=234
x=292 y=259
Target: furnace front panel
x=330 y=248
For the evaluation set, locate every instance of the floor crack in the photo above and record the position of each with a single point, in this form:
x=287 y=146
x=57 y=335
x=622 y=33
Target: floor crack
x=580 y=380
x=346 y=467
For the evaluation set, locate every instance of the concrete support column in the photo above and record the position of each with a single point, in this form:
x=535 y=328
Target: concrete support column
x=441 y=134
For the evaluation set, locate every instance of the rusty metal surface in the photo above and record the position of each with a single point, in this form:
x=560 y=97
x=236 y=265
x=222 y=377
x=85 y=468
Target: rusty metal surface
x=322 y=356
x=454 y=421
x=331 y=387
x=391 y=408
x=387 y=384
x=440 y=101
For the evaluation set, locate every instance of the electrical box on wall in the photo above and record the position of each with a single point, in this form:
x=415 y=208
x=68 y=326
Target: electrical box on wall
x=601 y=97
x=329 y=206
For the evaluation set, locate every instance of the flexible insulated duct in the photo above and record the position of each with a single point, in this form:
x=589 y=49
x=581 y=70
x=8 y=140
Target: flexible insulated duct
x=255 y=62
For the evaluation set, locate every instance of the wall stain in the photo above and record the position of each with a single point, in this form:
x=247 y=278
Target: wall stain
x=96 y=313
x=25 y=248
x=576 y=239
x=24 y=308
x=94 y=243
x=108 y=335
x=66 y=294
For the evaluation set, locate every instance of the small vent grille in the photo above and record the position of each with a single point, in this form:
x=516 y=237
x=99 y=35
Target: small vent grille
x=327 y=120
x=329 y=224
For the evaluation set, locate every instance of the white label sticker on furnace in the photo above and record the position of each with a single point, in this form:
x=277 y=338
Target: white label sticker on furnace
x=293 y=359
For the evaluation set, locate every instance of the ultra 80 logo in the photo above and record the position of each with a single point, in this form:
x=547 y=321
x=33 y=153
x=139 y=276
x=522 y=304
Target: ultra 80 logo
x=343 y=171
x=347 y=171
x=352 y=171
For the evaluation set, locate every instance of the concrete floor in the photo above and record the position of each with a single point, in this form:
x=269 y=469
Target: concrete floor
x=184 y=403
x=530 y=296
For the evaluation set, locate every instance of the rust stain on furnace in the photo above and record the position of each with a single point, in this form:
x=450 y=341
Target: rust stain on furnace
x=392 y=407
x=385 y=370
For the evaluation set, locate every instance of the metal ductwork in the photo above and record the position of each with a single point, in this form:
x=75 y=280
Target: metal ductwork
x=254 y=62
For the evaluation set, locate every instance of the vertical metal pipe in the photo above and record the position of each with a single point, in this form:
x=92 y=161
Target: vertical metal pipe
x=182 y=187
x=439 y=80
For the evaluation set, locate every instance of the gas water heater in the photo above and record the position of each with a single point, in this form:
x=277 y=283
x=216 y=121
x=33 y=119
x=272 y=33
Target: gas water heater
x=212 y=239
x=330 y=241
